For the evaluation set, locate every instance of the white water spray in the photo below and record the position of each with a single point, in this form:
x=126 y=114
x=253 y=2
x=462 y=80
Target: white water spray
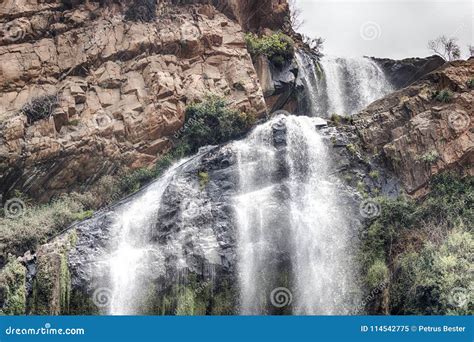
x=342 y=86
x=288 y=209
x=134 y=254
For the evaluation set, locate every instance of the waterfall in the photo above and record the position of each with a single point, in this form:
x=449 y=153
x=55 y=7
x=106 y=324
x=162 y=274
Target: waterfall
x=133 y=224
x=135 y=255
x=340 y=86
x=274 y=215
x=293 y=232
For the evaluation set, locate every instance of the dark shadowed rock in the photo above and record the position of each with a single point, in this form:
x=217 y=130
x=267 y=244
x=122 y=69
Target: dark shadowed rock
x=402 y=73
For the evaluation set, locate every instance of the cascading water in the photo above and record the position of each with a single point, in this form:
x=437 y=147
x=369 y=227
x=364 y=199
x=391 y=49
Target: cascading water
x=292 y=225
x=159 y=236
x=293 y=232
x=341 y=86
x=134 y=224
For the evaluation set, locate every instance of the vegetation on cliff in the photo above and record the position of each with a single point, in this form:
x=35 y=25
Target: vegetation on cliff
x=209 y=122
x=213 y=122
x=13 y=288
x=37 y=223
x=419 y=251
x=278 y=47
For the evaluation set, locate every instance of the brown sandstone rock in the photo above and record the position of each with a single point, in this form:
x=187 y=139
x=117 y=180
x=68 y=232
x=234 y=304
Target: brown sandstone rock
x=121 y=86
x=419 y=135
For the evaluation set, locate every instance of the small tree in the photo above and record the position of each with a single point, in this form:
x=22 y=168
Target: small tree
x=295 y=15
x=445 y=47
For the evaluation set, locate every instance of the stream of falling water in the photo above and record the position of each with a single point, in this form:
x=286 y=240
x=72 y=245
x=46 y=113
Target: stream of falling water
x=134 y=252
x=292 y=231
x=342 y=86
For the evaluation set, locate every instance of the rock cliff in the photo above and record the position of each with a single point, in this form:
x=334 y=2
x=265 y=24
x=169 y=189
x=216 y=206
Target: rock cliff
x=107 y=83
x=425 y=128
x=402 y=73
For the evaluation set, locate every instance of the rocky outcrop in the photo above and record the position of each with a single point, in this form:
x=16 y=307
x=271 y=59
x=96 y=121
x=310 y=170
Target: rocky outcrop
x=255 y=15
x=425 y=128
x=115 y=89
x=402 y=73
x=192 y=237
x=191 y=242
x=279 y=84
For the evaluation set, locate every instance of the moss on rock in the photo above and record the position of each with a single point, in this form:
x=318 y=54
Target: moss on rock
x=52 y=283
x=13 y=288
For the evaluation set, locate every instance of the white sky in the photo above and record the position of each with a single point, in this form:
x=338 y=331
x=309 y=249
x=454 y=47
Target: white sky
x=386 y=28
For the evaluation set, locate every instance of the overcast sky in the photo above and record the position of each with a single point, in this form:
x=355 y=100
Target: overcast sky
x=386 y=28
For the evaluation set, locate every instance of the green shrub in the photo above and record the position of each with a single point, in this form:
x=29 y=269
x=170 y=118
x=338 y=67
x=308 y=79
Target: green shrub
x=133 y=181
x=374 y=174
x=13 y=288
x=470 y=83
x=430 y=157
x=377 y=273
x=339 y=119
x=84 y=215
x=105 y=191
x=38 y=224
x=352 y=148
x=426 y=246
x=214 y=123
x=278 y=47
x=74 y=122
x=428 y=279
x=203 y=179
x=444 y=95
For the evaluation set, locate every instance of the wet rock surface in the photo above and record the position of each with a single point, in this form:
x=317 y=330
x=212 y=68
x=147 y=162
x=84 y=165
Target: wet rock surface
x=195 y=230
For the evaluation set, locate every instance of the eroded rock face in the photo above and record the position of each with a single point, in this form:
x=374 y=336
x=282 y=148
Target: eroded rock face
x=120 y=87
x=402 y=73
x=191 y=240
x=418 y=134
